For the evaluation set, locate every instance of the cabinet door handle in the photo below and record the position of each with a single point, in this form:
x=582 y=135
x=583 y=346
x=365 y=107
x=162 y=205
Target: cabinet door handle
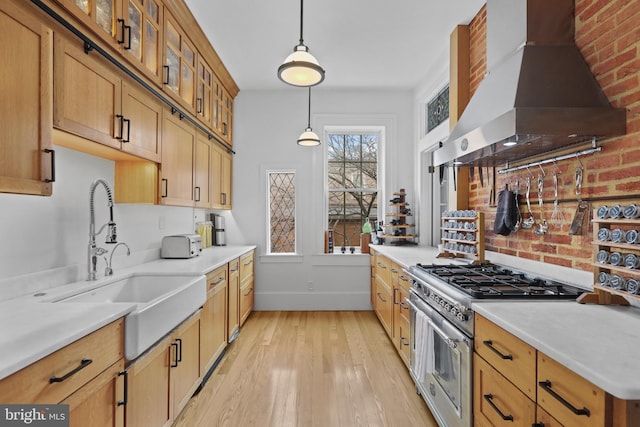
x=175 y=345
x=404 y=341
x=83 y=364
x=128 y=30
x=395 y=301
x=489 y=344
x=217 y=282
x=179 y=349
x=166 y=74
x=404 y=306
x=53 y=165
x=224 y=128
x=198 y=194
x=125 y=397
x=224 y=198
x=122 y=27
x=248 y=262
x=380 y=296
x=165 y=185
x=382 y=266
x=128 y=122
x=120 y=118
x=249 y=292
x=489 y=399
x=546 y=385
x=404 y=278
x=394 y=271
x=199 y=105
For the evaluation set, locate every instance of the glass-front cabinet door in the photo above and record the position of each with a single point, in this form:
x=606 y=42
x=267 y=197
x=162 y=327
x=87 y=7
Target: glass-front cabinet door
x=132 y=26
x=204 y=96
x=142 y=35
x=100 y=15
x=180 y=63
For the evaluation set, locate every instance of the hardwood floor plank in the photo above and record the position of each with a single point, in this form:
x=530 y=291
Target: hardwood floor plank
x=309 y=369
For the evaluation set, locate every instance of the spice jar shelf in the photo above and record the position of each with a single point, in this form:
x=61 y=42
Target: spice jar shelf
x=606 y=273
x=466 y=225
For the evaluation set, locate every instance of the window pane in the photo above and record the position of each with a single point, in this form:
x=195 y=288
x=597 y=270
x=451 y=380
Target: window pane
x=352 y=178
x=282 y=212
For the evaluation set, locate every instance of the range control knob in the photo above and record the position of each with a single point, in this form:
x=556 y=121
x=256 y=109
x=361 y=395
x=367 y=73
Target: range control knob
x=461 y=317
x=454 y=311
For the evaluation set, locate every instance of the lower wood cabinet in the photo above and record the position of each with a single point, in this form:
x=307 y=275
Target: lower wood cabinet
x=101 y=402
x=384 y=305
x=497 y=402
x=247 y=283
x=213 y=320
x=162 y=381
x=515 y=384
x=233 y=301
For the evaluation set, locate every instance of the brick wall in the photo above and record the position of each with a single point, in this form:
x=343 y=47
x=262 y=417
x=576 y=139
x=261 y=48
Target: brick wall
x=608 y=35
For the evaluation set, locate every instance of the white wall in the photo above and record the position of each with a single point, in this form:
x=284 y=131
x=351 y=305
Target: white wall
x=267 y=124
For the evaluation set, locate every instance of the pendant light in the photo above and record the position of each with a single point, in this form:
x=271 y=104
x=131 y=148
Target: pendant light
x=308 y=138
x=301 y=68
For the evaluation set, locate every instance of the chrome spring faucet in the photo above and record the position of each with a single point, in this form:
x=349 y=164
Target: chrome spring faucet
x=93 y=251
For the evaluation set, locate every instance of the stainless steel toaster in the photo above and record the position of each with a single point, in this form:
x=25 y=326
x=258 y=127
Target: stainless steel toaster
x=181 y=246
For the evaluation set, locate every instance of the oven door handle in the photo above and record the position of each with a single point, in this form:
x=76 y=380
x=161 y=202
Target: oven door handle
x=451 y=342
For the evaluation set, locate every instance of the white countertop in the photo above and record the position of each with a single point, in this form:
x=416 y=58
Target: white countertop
x=410 y=255
x=32 y=328
x=600 y=343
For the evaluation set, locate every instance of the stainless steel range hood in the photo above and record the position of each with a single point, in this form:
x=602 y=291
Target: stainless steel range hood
x=539 y=94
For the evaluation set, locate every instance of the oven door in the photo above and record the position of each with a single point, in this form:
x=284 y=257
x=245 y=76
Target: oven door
x=441 y=365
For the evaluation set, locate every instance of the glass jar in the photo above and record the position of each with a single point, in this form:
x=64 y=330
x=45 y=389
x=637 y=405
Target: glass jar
x=632 y=237
x=603 y=256
x=617 y=282
x=633 y=286
x=632 y=261
x=617 y=235
x=604 y=278
x=616 y=258
x=603 y=212
x=615 y=211
x=604 y=234
x=631 y=211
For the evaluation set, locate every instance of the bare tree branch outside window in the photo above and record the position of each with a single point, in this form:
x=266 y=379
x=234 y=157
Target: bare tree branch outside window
x=353 y=184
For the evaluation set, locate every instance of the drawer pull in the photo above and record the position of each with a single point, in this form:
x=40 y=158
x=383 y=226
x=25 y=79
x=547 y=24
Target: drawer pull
x=382 y=265
x=546 y=385
x=248 y=292
x=489 y=344
x=404 y=306
x=217 y=282
x=394 y=271
x=125 y=397
x=380 y=296
x=83 y=364
x=488 y=398
x=404 y=341
x=248 y=262
x=175 y=364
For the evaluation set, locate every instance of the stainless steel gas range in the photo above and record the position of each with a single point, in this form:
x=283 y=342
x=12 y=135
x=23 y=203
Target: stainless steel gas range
x=442 y=327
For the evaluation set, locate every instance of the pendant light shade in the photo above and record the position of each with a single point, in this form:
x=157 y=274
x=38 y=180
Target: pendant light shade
x=301 y=68
x=308 y=138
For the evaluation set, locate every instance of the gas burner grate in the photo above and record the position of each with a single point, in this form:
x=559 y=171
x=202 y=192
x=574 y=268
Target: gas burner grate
x=492 y=281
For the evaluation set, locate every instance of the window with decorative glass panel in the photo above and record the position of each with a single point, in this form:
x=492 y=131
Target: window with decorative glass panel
x=352 y=182
x=282 y=212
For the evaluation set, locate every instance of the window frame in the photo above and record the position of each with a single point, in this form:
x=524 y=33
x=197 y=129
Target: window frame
x=354 y=130
x=267 y=175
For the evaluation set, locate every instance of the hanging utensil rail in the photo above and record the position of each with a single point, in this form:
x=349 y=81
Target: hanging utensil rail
x=551 y=160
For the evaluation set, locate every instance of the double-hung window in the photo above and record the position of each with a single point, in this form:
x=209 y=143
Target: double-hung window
x=352 y=183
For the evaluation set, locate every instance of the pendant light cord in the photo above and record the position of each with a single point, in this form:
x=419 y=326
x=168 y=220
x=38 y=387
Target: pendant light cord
x=301 y=8
x=309 y=110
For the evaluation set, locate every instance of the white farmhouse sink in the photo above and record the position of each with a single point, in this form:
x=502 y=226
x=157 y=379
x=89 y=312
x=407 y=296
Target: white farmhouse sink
x=162 y=301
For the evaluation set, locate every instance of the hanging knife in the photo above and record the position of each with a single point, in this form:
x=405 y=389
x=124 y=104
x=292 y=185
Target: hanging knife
x=471 y=173
x=455 y=185
x=481 y=179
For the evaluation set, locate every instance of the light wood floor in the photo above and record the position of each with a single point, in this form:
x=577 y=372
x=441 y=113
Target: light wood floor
x=315 y=369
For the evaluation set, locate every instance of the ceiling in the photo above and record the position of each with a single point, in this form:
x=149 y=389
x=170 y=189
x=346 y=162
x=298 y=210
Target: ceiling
x=360 y=43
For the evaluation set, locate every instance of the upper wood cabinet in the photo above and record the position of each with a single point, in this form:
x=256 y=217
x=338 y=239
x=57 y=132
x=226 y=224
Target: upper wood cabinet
x=176 y=170
x=179 y=69
x=26 y=162
x=202 y=171
x=221 y=166
x=94 y=102
x=223 y=113
x=133 y=27
x=142 y=35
